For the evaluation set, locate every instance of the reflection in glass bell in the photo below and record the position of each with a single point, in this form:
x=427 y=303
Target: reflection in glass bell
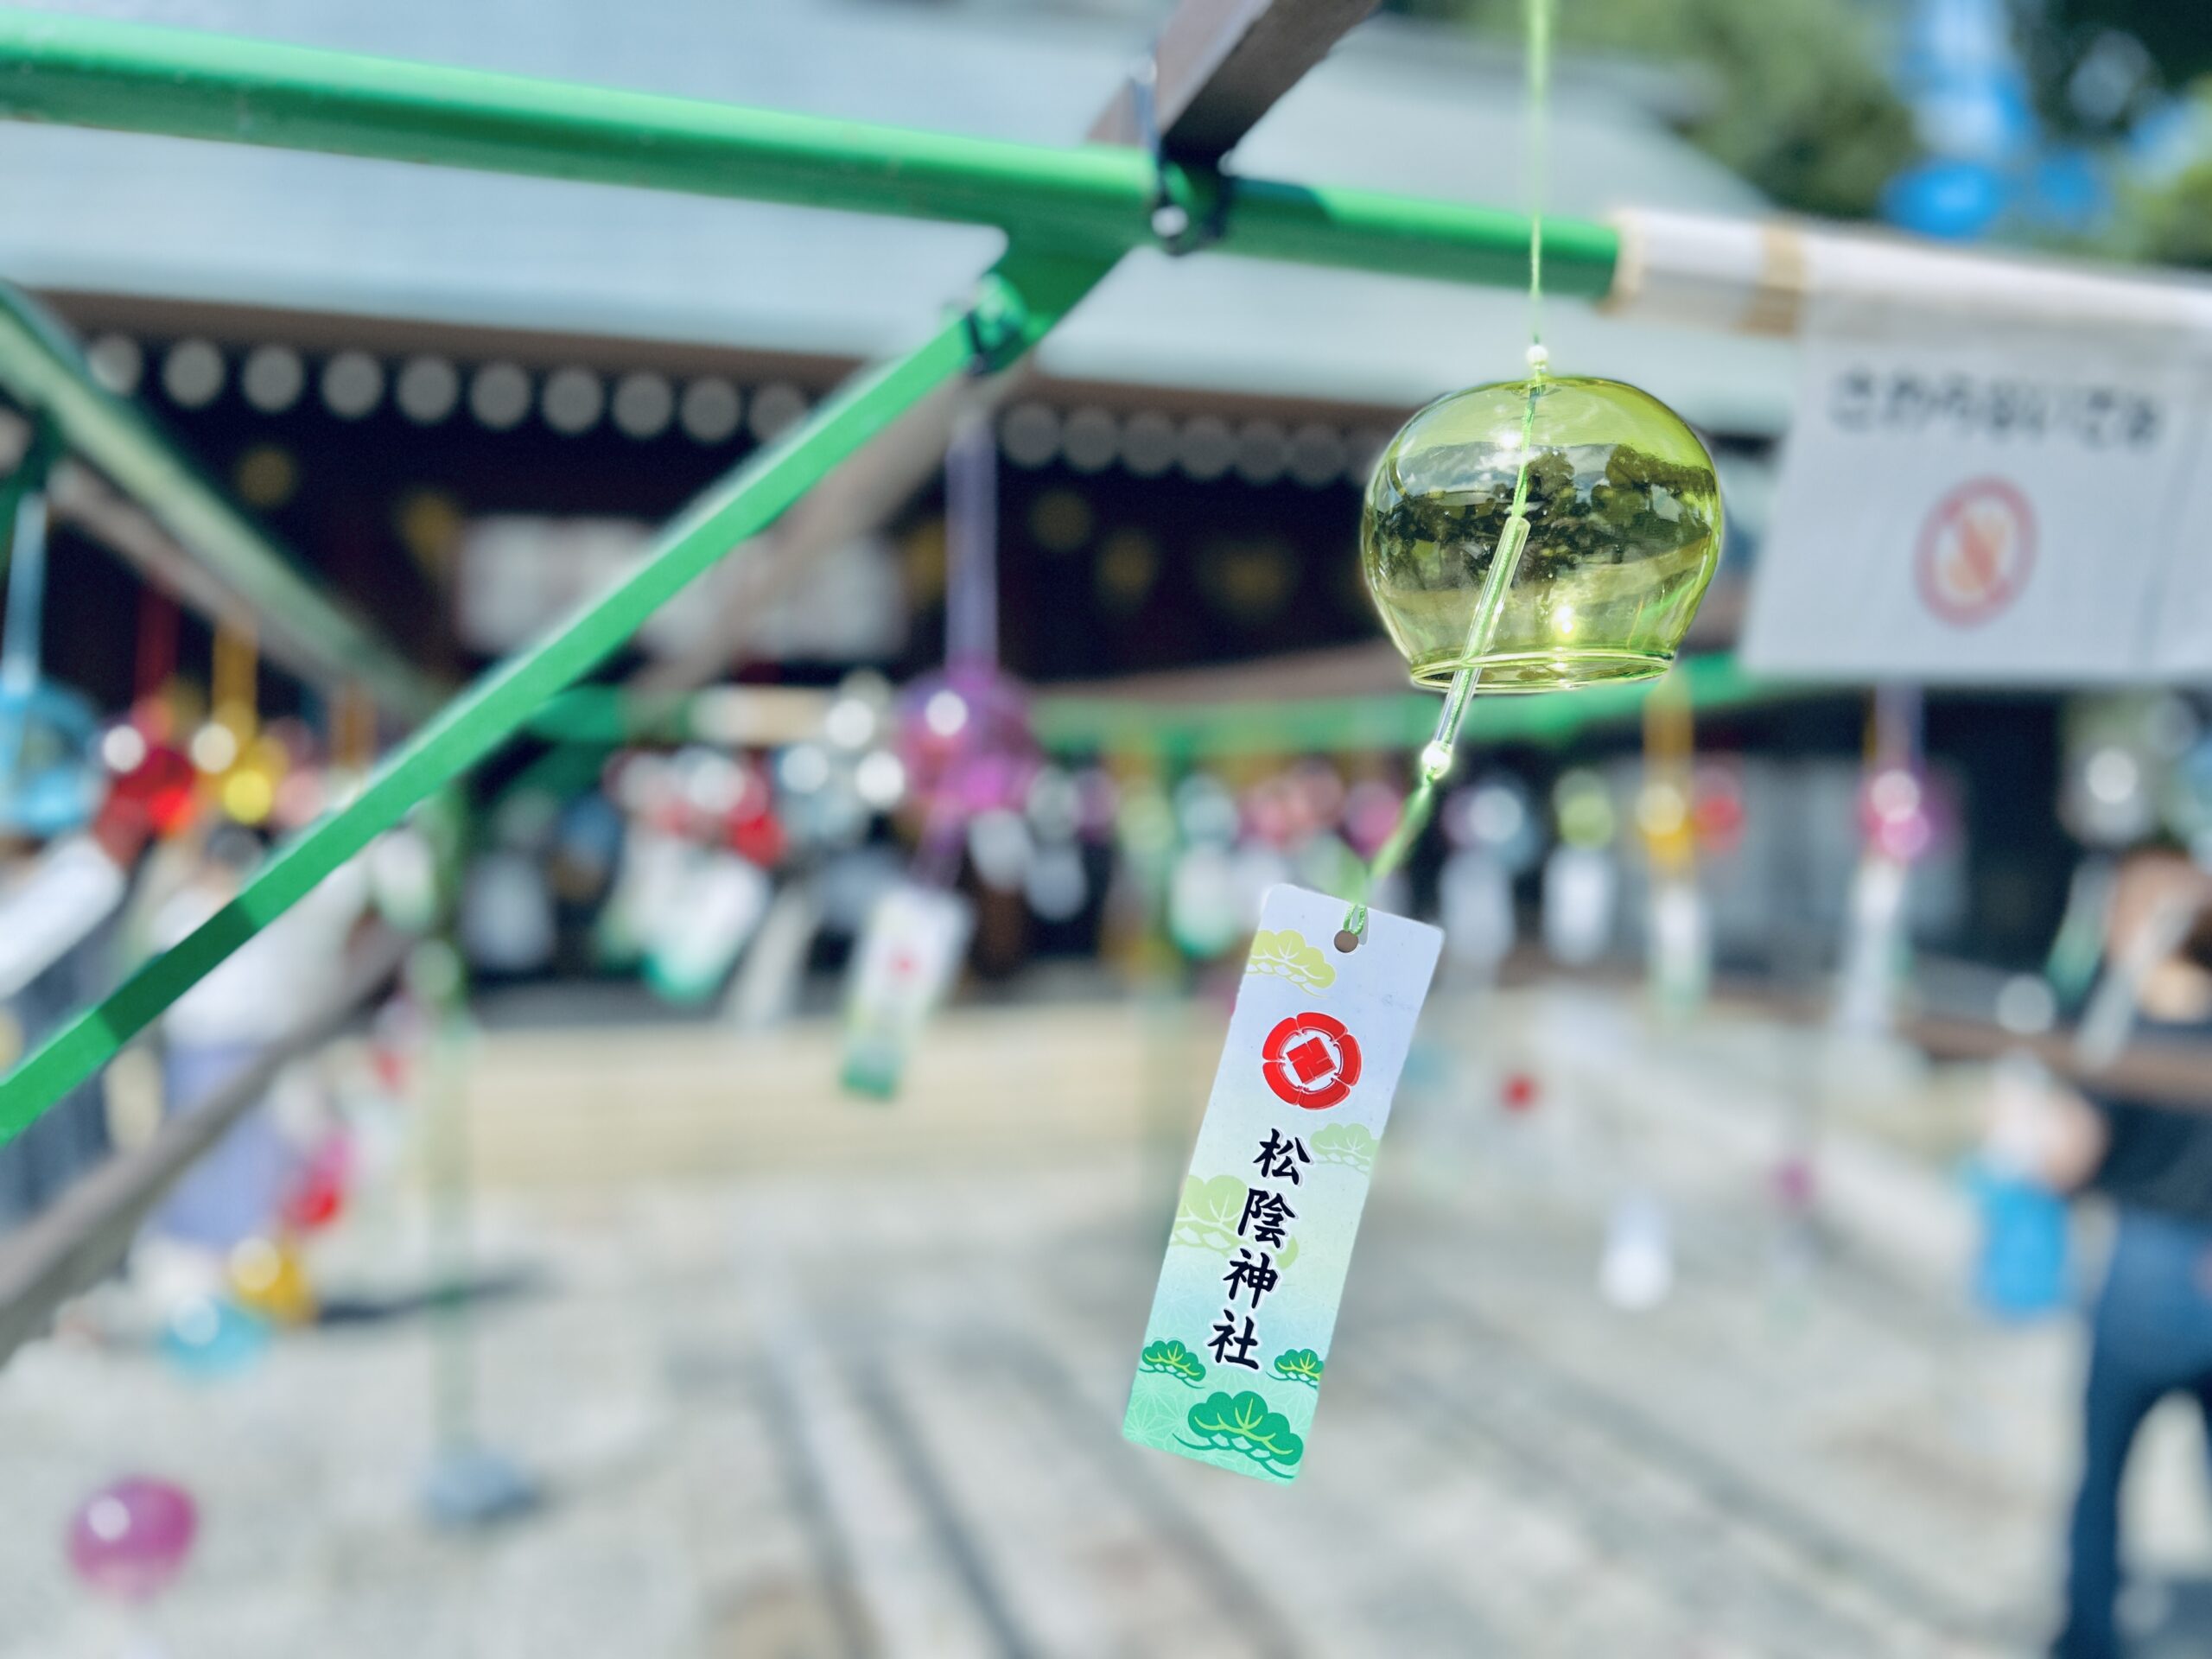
x=1624 y=514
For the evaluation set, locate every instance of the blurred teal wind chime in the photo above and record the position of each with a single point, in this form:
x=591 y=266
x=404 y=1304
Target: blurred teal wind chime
x=48 y=783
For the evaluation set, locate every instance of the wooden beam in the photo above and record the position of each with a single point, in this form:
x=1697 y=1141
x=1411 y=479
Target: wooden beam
x=2175 y=1073
x=1219 y=66
x=83 y=1235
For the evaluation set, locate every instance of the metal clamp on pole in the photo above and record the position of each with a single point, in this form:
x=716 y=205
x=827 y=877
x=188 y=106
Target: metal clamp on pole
x=1187 y=218
x=997 y=324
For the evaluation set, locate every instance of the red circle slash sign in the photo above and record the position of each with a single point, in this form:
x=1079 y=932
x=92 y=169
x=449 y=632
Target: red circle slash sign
x=1310 y=1060
x=1975 y=551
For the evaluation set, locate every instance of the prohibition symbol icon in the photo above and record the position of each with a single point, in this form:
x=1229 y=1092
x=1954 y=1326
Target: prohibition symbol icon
x=1310 y=1060
x=1976 y=550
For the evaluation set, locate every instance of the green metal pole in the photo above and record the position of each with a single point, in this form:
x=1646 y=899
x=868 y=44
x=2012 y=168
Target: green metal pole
x=45 y=374
x=1016 y=303
x=605 y=716
x=137 y=78
x=1713 y=681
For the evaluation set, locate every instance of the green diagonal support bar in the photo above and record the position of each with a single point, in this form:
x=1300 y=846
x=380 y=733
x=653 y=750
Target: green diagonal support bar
x=1015 y=305
x=1088 y=205
x=43 y=371
x=186 y=83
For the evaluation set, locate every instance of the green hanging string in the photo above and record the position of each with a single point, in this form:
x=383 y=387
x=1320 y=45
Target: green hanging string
x=1535 y=161
x=1435 y=762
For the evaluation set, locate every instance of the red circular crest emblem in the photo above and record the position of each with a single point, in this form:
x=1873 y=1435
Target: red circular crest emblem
x=1976 y=550
x=1310 y=1060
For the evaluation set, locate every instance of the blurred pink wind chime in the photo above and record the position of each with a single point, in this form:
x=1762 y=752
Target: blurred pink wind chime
x=127 y=1543
x=965 y=739
x=1897 y=825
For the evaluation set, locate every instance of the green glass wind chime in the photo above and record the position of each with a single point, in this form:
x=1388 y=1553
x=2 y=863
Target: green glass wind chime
x=1531 y=534
x=1535 y=534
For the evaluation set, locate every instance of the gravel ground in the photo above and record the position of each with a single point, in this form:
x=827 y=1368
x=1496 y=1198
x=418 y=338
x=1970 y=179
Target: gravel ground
x=874 y=1410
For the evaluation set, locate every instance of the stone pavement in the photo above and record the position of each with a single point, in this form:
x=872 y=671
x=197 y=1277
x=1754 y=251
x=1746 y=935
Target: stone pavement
x=838 y=1406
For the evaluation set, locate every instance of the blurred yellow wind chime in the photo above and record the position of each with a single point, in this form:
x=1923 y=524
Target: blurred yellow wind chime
x=241 y=766
x=1678 y=939
x=1537 y=534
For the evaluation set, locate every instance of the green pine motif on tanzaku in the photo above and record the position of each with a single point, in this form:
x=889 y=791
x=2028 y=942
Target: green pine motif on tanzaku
x=1350 y=1144
x=1243 y=1425
x=1299 y=1365
x=1173 y=1359
x=1155 y=1416
x=1287 y=956
x=1209 y=1213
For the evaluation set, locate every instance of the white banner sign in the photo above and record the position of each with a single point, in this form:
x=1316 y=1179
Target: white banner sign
x=1986 y=511
x=2181 y=645
x=519 y=575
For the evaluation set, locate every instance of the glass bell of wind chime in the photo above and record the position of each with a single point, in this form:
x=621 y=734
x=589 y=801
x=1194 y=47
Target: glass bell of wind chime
x=1535 y=534
x=1538 y=534
x=1541 y=534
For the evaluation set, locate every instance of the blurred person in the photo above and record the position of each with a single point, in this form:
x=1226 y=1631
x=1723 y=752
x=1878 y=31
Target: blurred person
x=2151 y=1330
x=218 y=1027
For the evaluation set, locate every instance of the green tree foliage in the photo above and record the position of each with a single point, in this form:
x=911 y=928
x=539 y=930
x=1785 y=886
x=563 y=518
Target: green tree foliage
x=1800 y=105
x=1301 y=1365
x=1350 y=1144
x=2176 y=223
x=2178 y=37
x=2169 y=220
x=1242 y=1424
x=1173 y=1359
x=2097 y=67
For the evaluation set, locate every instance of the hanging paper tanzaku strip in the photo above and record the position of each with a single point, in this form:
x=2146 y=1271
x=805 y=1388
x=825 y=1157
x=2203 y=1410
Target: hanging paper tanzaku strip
x=1234 y=1351
x=907 y=959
